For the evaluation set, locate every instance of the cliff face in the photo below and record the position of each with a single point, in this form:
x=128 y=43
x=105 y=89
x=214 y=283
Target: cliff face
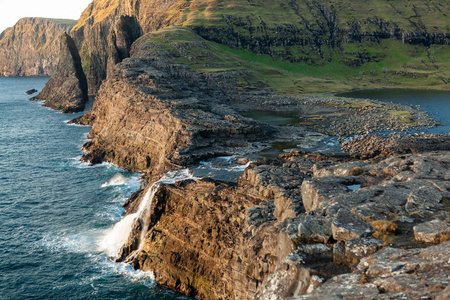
x=31 y=47
x=294 y=225
x=67 y=89
x=154 y=114
x=106 y=30
x=307 y=32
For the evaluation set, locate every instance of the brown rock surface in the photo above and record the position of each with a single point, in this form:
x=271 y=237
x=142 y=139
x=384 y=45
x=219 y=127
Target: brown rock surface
x=31 y=47
x=67 y=89
x=369 y=146
x=253 y=239
x=155 y=115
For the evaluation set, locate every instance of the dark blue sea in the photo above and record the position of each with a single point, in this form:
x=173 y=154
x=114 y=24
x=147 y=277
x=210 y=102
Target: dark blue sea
x=54 y=209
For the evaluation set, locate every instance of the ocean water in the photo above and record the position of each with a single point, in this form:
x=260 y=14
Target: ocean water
x=55 y=210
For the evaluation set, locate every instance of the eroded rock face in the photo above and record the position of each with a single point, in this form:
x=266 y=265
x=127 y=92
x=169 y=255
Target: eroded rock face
x=31 y=47
x=202 y=243
x=67 y=89
x=255 y=240
x=106 y=30
x=153 y=114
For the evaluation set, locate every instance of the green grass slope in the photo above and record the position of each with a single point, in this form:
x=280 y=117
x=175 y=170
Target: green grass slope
x=284 y=77
x=331 y=45
x=318 y=46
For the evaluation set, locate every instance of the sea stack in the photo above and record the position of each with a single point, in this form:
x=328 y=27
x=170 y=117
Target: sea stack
x=67 y=90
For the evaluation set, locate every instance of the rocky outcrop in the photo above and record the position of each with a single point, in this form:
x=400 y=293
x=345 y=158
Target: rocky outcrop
x=31 y=47
x=373 y=146
x=106 y=30
x=392 y=273
x=153 y=114
x=255 y=240
x=67 y=89
x=309 y=33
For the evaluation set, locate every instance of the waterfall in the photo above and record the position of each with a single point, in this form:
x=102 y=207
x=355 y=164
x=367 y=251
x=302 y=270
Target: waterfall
x=118 y=235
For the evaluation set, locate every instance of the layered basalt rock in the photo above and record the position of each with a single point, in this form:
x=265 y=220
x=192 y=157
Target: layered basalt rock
x=31 y=47
x=256 y=240
x=67 y=89
x=153 y=114
x=106 y=30
x=310 y=31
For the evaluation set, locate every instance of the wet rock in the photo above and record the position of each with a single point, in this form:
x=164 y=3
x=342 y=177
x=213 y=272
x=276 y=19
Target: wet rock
x=347 y=226
x=432 y=232
x=32 y=91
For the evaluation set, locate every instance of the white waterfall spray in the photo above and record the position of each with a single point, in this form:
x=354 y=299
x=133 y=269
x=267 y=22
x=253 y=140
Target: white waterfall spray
x=118 y=235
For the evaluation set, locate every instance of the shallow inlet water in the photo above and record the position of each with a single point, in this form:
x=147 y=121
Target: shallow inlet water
x=312 y=142
x=55 y=210
x=436 y=103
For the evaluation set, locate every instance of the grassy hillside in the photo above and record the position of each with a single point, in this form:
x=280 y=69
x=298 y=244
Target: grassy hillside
x=292 y=78
x=65 y=22
x=409 y=15
x=315 y=46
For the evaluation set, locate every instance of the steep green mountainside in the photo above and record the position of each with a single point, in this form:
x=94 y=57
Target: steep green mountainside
x=31 y=47
x=321 y=46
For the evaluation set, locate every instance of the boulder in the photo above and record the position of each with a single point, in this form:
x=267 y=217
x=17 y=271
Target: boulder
x=351 y=252
x=316 y=191
x=432 y=232
x=317 y=229
x=347 y=226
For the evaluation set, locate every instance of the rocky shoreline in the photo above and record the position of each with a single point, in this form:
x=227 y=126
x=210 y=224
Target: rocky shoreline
x=371 y=222
x=306 y=224
x=301 y=224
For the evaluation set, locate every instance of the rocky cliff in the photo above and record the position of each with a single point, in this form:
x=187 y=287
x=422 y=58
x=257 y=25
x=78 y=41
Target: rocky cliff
x=300 y=224
x=304 y=37
x=153 y=114
x=67 y=89
x=303 y=224
x=31 y=47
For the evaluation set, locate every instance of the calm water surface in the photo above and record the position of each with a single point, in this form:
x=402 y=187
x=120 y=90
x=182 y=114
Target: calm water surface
x=54 y=210
x=436 y=103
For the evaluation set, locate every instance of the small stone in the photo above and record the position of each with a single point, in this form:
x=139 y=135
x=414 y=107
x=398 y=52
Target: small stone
x=362 y=247
x=432 y=232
